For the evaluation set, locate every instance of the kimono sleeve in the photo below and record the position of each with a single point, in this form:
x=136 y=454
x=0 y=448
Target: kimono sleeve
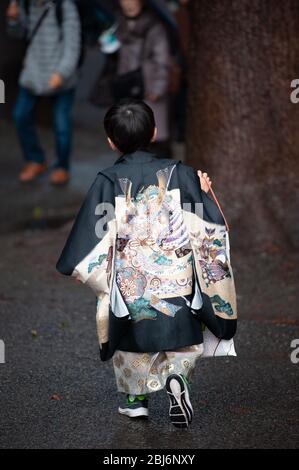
x=209 y=239
x=87 y=254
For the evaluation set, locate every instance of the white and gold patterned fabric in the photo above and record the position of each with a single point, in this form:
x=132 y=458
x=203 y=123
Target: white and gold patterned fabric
x=143 y=373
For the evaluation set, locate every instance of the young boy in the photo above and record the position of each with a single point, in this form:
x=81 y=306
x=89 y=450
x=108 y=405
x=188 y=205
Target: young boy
x=154 y=248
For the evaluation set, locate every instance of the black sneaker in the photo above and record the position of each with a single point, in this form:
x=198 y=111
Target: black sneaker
x=180 y=410
x=135 y=407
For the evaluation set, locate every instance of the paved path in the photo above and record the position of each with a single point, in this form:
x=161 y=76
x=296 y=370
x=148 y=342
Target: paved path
x=55 y=392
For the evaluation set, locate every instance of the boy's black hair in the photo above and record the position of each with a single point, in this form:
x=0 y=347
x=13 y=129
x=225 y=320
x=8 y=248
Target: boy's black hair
x=130 y=124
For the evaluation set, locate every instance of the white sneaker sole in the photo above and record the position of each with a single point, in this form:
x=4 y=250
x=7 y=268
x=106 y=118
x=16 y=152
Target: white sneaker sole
x=137 y=413
x=180 y=410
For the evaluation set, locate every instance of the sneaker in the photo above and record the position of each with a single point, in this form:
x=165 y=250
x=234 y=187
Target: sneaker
x=136 y=407
x=180 y=410
x=31 y=171
x=59 y=177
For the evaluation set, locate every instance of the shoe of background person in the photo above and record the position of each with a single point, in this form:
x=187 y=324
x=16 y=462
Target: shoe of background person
x=180 y=409
x=59 y=177
x=135 y=407
x=31 y=171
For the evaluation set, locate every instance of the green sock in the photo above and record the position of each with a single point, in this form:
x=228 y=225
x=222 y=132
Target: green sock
x=141 y=397
x=132 y=398
x=186 y=380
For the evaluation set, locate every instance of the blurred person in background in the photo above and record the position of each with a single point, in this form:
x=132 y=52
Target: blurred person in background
x=53 y=33
x=140 y=68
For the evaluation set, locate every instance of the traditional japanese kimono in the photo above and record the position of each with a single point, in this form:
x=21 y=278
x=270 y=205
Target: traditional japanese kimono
x=154 y=248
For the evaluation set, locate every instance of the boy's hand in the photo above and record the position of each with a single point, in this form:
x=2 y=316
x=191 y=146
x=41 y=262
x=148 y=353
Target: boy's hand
x=205 y=181
x=56 y=80
x=13 y=10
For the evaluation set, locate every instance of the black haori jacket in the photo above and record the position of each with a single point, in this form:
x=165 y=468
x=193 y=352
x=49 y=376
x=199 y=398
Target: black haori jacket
x=154 y=248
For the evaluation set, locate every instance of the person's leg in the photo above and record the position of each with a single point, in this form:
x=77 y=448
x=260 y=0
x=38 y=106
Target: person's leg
x=63 y=103
x=23 y=115
x=183 y=361
x=133 y=377
x=136 y=373
x=139 y=374
x=181 y=364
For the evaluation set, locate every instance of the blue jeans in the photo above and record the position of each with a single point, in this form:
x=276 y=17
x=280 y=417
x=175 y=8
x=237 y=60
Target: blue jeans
x=25 y=124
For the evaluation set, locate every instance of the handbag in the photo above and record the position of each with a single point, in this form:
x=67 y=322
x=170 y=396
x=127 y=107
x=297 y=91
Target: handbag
x=129 y=85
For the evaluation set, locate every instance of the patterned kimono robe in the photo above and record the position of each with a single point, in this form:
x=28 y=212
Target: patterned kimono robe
x=154 y=248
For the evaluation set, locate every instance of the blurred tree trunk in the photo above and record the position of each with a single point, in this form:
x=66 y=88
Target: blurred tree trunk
x=243 y=128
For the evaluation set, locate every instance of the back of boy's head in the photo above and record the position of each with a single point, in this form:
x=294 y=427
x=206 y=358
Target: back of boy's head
x=130 y=125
